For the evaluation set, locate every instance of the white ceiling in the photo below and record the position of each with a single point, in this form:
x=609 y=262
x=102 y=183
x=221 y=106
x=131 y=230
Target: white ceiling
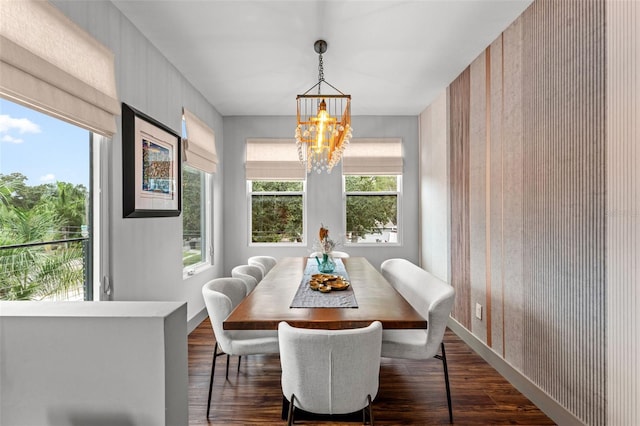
x=252 y=57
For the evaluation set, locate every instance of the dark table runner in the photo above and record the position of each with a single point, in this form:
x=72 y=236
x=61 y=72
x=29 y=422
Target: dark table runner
x=307 y=298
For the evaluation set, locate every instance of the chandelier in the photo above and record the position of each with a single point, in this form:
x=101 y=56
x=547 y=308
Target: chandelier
x=324 y=123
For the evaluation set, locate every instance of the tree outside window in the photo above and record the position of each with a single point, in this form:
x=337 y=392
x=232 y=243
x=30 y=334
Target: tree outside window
x=194 y=205
x=372 y=208
x=45 y=207
x=277 y=211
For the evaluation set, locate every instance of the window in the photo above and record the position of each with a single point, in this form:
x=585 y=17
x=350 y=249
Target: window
x=200 y=161
x=48 y=206
x=276 y=188
x=277 y=211
x=372 y=173
x=195 y=211
x=46 y=226
x=372 y=208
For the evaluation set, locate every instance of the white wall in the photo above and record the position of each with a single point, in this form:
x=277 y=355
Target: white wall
x=434 y=193
x=324 y=192
x=146 y=254
x=93 y=363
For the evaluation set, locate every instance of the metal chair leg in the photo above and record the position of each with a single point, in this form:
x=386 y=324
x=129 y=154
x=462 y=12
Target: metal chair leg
x=213 y=369
x=443 y=358
x=227 y=375
x=291 y=409
x=239 y=359
x=371 y=421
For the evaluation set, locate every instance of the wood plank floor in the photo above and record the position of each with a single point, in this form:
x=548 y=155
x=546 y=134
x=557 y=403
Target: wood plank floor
x=411 y=392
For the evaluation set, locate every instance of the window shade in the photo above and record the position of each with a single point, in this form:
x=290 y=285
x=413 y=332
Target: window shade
x=200 y=145
x=273 y=159
x=50 y=64
x=373 y=157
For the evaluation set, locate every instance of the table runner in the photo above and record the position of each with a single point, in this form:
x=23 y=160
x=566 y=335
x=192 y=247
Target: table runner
x=307 y=298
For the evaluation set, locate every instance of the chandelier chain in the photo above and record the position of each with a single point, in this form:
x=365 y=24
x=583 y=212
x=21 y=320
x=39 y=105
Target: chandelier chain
x=320 y=72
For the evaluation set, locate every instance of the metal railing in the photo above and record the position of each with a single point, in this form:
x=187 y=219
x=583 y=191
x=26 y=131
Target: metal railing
x=29 y=270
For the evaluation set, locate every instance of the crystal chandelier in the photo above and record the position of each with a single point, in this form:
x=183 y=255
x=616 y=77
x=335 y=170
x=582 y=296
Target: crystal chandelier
x=324 y=123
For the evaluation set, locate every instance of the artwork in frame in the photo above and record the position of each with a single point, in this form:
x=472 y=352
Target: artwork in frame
x=150 y=166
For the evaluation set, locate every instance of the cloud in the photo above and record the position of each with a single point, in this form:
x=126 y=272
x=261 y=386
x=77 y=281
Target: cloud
x=11 y=139
x=22 y=125
x=50 y=177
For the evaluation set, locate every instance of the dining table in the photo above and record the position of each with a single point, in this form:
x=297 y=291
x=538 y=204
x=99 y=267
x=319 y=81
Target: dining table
x=272 y=301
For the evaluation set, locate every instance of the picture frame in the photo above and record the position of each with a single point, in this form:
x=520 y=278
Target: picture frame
x=151 y=172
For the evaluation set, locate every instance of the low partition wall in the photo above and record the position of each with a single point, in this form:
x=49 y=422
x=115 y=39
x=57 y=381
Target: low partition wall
x=72 y=363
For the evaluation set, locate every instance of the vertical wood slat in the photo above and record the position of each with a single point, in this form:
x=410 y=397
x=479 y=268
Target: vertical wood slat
x=564 y=175
x=512 y=194
x=623 y=212
x=459 y=178
x=478 y=268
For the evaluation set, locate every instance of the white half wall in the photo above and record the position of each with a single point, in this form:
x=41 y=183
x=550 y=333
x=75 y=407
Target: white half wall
x=93 y=363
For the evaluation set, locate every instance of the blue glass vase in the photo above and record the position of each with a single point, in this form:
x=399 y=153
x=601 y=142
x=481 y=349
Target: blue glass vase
x=327 y=265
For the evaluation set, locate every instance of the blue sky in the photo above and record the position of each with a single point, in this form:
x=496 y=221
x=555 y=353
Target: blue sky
x=41 y=147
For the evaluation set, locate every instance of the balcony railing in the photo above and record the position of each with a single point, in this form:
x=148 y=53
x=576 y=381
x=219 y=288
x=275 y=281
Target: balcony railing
x=48 y=270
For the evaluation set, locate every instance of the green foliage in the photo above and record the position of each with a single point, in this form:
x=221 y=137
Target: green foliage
x=368 y=214
x=277 y=215
x=39 y=214
x=191 y=202
x=276 y=186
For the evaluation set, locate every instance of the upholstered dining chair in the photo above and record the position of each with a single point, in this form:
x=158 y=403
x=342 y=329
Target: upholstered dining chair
x=330 y=371
x=221 y=296
x=335 y=254
x=433 y=299
x=266 y=263
x=250 y=274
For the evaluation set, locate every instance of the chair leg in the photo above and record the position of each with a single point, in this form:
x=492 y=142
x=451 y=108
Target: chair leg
x=239 y=359
x=370 y=411
x=443 y=358
x=291 y=409
x=213 y=369
x=227 y=375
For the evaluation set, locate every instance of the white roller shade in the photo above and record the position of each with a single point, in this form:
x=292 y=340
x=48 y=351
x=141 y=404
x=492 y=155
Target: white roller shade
x=375 y=156
x=200 y=145
x=49 y=63
x=273 y=159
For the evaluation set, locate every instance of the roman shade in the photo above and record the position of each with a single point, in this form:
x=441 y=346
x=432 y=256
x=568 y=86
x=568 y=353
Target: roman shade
x=273 y=159
x=50 y=64
x=200 y=145
x=373 y=156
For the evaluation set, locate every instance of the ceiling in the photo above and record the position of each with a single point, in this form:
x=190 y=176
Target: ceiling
x=252 y=57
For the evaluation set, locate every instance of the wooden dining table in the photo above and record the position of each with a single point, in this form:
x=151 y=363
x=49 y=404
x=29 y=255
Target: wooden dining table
x=269 y=303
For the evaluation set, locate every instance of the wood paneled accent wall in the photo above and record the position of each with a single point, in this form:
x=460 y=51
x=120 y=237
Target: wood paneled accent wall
x=623 y=212
x=459 y=178
x=527 y=180
x=564 y=210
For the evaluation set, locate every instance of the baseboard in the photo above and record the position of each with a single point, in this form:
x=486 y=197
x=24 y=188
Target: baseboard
x=540 y=398
x=195 y=320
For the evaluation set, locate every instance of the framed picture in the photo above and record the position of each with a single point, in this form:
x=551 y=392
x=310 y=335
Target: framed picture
x=150 y=167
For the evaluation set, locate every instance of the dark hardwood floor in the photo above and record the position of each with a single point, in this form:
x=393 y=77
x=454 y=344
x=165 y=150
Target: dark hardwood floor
x=411 y=392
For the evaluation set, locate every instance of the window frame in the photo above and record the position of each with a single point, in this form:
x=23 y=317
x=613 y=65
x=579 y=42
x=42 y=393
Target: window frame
x=95 y=252
x=250 y=193
x=206 y=225
x=397 y=193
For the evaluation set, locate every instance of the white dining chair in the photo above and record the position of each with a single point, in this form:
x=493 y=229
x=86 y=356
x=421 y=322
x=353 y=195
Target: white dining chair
x=266 y=263
x=433 y=299
x=250 y=274
x=221 y=296
x=334 y=254
x=330 y=371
